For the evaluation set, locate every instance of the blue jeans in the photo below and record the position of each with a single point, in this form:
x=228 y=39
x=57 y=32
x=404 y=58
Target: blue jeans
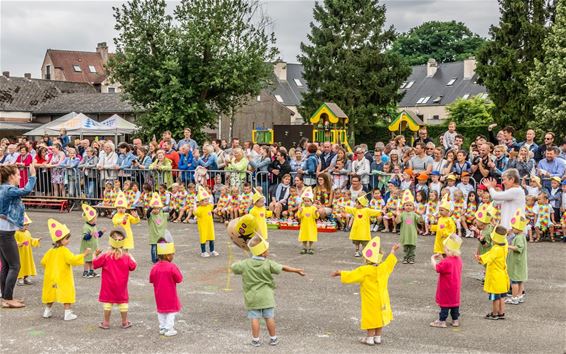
x=90 y=185
x=454 y=312
x=210 y=246
x=154 y=258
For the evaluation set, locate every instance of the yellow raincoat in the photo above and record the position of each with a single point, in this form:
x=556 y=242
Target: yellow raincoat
x=58 y=281
x=25 y=243
x=205 y=222
x=496 y=278
x=308 y=231
x=260 y=214
x=361 y=225
x=446 y=227
x=126 y=221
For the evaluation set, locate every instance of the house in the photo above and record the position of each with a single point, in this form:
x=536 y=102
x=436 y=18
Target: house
x=78 y=66
x=288 y=87
x=431 y=87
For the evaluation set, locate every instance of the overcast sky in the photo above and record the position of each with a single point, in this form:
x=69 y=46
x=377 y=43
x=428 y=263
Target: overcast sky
x=29 y=28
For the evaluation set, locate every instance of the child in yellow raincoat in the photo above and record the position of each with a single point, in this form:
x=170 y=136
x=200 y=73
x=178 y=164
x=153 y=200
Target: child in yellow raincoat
x=446 y=226
x=205 y=222
x=308 y=234
x=373 y=278
x=260 y=212
x=496 y=278
x=25 y=243
x=360 y=232
x=125 y=220
x=58 y=281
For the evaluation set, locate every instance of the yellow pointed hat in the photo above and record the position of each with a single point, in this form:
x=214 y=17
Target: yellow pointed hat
x=27 y=220
x=363 y=200
x=371 y=251
x=155 y=201
x=445 y=203
x=308 y=193
x=519 y=221
x=89 y=212
x=407 y=197
x=260 y=247
x=57 y=230
x=121 y=201
x=202 y=193
x=498 y=238
x=453 y=242
x=483 y=215
x=257 y=196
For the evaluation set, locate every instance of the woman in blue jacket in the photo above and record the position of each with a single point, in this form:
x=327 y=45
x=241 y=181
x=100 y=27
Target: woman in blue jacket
x=309 y=167
x=11 y=219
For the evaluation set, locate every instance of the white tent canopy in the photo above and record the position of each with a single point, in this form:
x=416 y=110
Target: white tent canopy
x=119 y=125
x=43 y=129
x=81 y=125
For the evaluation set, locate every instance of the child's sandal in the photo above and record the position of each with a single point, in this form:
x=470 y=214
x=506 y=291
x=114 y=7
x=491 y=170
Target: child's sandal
x=127 y=325
x=103 y=325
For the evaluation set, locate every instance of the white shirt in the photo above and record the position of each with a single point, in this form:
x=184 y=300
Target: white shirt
x=510 y=200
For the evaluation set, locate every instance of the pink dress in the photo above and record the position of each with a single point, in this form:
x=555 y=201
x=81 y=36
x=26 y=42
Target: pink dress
x=26 y=161
x=165 y=276
x=115 y=273
x=449 y=282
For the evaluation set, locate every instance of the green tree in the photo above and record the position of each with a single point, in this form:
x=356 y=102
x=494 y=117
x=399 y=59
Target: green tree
x=187 y=69
x=472 y=112
x=347 y=61
x=443 y=41
x=547 y=84
x=504 y=62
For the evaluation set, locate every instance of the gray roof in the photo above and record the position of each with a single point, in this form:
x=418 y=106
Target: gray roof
x=18 y=94
x=87 y=103
x=435 y=86
x=290 y=92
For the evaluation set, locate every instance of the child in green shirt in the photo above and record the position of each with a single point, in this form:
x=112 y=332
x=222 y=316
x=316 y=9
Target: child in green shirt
x=517 y=258
x=157 y=222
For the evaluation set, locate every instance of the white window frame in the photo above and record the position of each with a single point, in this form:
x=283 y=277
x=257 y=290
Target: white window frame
x=279 y=98
x=410 y=84
x=77 y=68
x=298 y=82
x=92 y=69
x=451 y=82
x=466 y=96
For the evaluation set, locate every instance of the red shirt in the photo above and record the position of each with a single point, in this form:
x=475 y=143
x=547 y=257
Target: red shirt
x=115 y=273
x=164 y=276
x=174 y=157
x=449 y=282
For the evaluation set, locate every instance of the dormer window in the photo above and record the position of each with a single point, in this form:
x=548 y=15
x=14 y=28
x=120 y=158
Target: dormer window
x=92 y=69
x=451 y=82
x=77 y=68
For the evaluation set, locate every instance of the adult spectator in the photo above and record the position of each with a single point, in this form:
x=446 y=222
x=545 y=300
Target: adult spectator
x=551 y=166
x=11 y=154
x=107 y=162
x=125 y=158
x=423 y=137
x=356 y=187
x=47 y=140
x=141 y=165
x=137 y=143
x=377 y=163
x=187 y=140
x=303 y=144
x=327 y=158
x=208 y=159
x=57 y=173
x=86 y=168
x=529 y=142
x=361 y=167
x=323 y=195
x=70 y=164
x=308 y=170
x=540 y=152
x=187 y=164
x=299 y=184
x=11 y=219
x=562 y=154
x=458 y=142
x=280 y=196
x=439 y=163
x=85 y=144
x=421 y=162
x=430 y=148
x=239 y=165
x=279 y=167
x=399 y=145
x=162 y=169
x=220 y=154
x=261 y=167
x=297 y=160
x=42 y=161
x=167 y=137
x=64 y=139
x=461 y=164
x=523 y=163
x=511 y=199
x=483 y=165
x=233 y=145
x=23 y=161
x=171 y=154
x=367 y=153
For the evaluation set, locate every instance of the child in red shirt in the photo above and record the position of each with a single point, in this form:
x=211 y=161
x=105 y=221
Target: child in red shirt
x=449 y=271
x=116 y=267
x=165 y=276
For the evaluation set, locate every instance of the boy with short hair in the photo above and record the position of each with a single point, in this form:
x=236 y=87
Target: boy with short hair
x=258 y=285
x=517 y=258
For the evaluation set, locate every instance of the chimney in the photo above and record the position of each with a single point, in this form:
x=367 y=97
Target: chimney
x=431 y=67
x=469 y=68
x=102 y=50
x=280 y=69
x=6 y=73
x=27 y=75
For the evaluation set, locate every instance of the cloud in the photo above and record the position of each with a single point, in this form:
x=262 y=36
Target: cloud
x=29 y=28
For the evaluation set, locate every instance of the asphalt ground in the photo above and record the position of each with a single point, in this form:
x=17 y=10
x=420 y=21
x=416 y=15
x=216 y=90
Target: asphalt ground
x=314 y=314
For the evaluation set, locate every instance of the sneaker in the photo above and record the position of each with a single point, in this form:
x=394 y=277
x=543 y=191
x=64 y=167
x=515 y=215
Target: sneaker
x=256 y=343
x=215 y=254
x=205 y=255
x=405 y=261
x=310 y=251
x=512 y=300
x=368 y=341
x=47 y=312
x=491 y=316
x=455 y=323
x=357 y=254
x=21 y=282
x=438 y=324
x=274 y=341
x=522 y=298
x=304 y=251
x=501 y=316
x=85 y=274
x=170 y=332
x=411 y=261
x=377 y=339
x=27 y=281
x=69 y=316
x=162 y=331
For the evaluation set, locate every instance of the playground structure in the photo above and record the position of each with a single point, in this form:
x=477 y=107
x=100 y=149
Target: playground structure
x=262 y=136
x=330 y=125
x=406 y=120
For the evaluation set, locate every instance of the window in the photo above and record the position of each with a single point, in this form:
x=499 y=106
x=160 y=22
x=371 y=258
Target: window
x=258 y=98
x=92 y=68
x=298 y=82
x=437 y=99
x=409 y=85
x=436 y=117
x=420 y=100
x=465 y=97
x=77 y=68
x=425 y=100
x=279 y=98
x=111 y=90
x=451 y=82
x=403 y=85
x=48 y=72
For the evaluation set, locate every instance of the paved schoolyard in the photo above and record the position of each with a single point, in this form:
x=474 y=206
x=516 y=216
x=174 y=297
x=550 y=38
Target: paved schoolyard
x=314 y=314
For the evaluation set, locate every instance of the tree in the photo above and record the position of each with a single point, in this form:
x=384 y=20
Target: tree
x=348 y=61
x=472 y=112
x=187 y=69
x=547 y=83
x=504 y=62
x=443 y=41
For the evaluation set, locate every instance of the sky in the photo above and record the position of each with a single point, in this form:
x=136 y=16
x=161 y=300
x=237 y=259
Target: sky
x=29 y=28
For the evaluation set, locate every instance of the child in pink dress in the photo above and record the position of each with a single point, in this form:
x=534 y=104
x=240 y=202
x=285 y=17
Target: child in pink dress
x=449 y=271
x=165 y=276
x=116 y=266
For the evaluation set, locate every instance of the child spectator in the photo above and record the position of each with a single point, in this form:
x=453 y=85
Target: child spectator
x=223 y=206
x=470 y=213
x=422 y=178
x=25 y=243
x=544 y=218
x=393 y=203
x=459 y=208
x=431 y=215
x=90 y=236
x=531 y=211
x=165 y=196
x=465 y=185
x=186 y=212
x=449 y=136
x=435 y=184
x=246 y=199
x=420 y=209
x=293 y=204
x=235 y=203
x=376 y=203
x=534 y=187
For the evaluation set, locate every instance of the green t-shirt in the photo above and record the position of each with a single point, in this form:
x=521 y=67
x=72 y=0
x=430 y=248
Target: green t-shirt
x=517 y=259
x=257 y=281
x=89 y=229
x=157 y=226
x=483 y=248
x=409 y=229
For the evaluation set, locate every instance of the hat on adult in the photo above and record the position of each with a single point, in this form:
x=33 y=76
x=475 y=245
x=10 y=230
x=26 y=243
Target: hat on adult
x=371 y=251
x=89 y=212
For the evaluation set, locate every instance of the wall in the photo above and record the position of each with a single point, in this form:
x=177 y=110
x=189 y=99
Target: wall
x=428 y=112
x=23 y=117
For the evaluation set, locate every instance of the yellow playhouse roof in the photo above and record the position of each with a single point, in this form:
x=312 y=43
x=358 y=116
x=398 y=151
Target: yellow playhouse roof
x=332 y=111
x=406 y=119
